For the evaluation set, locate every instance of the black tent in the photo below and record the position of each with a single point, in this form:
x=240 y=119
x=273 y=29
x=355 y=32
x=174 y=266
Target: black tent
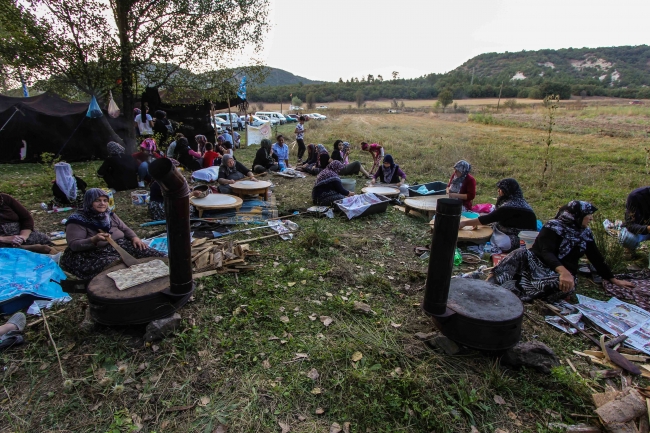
x=46 y=123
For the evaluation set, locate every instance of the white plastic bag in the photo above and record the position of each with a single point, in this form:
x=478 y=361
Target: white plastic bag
x=113 y=109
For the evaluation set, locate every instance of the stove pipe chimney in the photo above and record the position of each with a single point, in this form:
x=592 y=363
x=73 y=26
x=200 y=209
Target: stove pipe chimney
x=441 y=257
x=177 y=212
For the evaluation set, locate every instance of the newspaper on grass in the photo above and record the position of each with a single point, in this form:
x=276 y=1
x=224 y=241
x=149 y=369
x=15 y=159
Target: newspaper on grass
x=560 y=324
x=284 y=227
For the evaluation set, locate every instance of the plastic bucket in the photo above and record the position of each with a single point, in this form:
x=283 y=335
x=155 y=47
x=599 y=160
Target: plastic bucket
x=528 y=237
x=470 y=215
x=349 y=184
x=139 y=198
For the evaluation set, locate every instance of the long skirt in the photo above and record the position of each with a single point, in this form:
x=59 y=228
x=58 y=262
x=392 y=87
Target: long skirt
x=259 y=169
x=87 y=264
x=156 y=210
x=12 y=229
x=351 y=169
x=524 y=274
x=328 y=198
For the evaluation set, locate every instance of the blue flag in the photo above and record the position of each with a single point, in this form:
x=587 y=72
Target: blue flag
x=241 y=93
x=25 y=91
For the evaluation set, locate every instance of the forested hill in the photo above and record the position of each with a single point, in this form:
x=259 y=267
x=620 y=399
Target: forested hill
x=280 y=77
x=614 y=66
x=614 y=71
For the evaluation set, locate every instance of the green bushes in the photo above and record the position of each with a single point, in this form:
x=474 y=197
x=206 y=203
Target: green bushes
x=484 y=118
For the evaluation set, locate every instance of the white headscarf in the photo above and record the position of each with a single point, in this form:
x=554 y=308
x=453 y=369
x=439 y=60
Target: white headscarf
x=65 y=180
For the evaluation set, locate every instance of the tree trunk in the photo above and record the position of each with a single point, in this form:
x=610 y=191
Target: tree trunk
x=121 y=18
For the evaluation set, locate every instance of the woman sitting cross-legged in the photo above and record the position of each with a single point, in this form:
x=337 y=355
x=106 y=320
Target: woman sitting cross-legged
x=328 y=187
x=119 y=171
x=349 y=168
x=87 y=231
x=548 y=270
x=230 y=172
x=264 y=161
x=17 y=227
x=462 y=185
x=389 y=172
x=67 y=188
x=512 y=215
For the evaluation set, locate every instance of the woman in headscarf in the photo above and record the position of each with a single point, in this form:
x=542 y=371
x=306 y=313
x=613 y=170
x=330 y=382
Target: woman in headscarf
x=171 y=150
x=264 y=161
x=119 y=171
x=201 y=141
x=349 y=169
x=389 y=172
x=345 y=152
x=311 y=164
x=548 y=270
x=87 y=231
x=162 y=126
x=462 y=185
x=512 y=215
x=68 y=189
x=377 y=152
x=17 y=227
x=328 y=187
x=186 y=156
x=230 y=172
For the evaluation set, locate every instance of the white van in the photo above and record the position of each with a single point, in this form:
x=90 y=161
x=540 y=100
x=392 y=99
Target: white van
x=236 y=122
x=273 y=115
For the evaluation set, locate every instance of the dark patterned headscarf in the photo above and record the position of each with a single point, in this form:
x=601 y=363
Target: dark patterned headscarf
x=114 y=148
x=512 y=196
x=89 y=217
x=201 y=141
x=329 y=174
x=390 y=171
x=568 y=225
x=464 y=168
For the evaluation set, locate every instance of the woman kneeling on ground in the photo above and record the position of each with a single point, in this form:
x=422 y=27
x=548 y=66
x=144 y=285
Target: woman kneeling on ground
x=230 y=172
x=119 y=171
x=328 y=187
x=462 y=185
x=88 y=251
x=349 y=168
x=389 y=172
x=17 y=227
x=512 y=215
x=548 y=270
x=264 y=161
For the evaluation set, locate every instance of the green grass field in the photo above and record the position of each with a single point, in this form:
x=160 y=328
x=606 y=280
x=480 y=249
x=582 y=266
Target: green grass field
x=235 y=360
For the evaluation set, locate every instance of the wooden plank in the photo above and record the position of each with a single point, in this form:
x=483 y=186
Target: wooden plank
x=599 y=354
x=204 y=274
x=202 y=260
x=60 y=242
x=199 y=241
x=201 y=254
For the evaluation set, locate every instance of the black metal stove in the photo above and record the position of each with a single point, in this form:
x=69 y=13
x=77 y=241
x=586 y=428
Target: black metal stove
x=471 y=312
x=163 y=296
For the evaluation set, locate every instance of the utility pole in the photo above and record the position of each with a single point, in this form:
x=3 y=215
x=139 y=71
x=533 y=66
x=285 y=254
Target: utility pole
x=499 y=101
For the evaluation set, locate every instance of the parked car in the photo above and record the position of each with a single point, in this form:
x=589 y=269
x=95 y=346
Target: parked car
x=288 y=119
x=258 y=121
x=236 y=122
x=322 y=107
x=295 y=108
x=273 y=115
x=317 y=116
x=273 y=121
x=293 y=116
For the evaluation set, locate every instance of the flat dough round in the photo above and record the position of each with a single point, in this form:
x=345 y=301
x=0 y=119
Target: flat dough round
x=216 y=200
x=383 y=190
x=424 y=203
x=250 y=184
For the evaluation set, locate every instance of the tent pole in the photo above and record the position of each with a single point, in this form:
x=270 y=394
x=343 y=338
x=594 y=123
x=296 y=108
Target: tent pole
x=66 y=142
x=11 y=117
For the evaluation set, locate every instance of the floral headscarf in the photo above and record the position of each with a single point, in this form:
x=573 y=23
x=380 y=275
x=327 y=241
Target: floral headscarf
x=149 y=144
x=464 y=168
x=329 y=174
x=568 y=225
x=512 y=196
x=89 y=217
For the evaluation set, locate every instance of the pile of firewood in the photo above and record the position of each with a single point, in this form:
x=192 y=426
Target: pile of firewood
x=214 y=256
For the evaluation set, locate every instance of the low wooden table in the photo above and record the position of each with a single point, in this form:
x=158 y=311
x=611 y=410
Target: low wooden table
x=381 y=190
x=251 y=187
x=424 y=204
x=216 y=202
x=478 y=235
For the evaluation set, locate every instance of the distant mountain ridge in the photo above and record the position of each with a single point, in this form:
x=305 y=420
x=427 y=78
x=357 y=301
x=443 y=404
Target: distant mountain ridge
x=625 y=66
x=280 y=77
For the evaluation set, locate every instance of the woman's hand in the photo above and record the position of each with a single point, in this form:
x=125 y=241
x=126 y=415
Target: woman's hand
x=100 y=237
x=447 y=191
x=137 y=243
x=566 y=281
x=622 y=283
x=18 y=240
x=350 y=194
x=372 y=182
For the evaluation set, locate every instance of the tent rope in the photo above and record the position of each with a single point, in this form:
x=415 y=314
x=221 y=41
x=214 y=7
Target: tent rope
x=68 y=140
x=11 y=117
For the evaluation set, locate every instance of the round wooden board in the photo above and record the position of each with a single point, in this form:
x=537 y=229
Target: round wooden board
x=102 y=286
x=217 y=201
x=248 y=185
x=382 y=190
x=480 y=233
x=424 y=203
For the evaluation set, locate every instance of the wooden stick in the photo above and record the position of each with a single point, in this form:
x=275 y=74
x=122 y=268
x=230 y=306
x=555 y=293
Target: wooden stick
x=264 y=237
x=53 y=343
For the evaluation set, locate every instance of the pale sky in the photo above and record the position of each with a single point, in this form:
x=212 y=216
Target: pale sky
x=328 y=39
